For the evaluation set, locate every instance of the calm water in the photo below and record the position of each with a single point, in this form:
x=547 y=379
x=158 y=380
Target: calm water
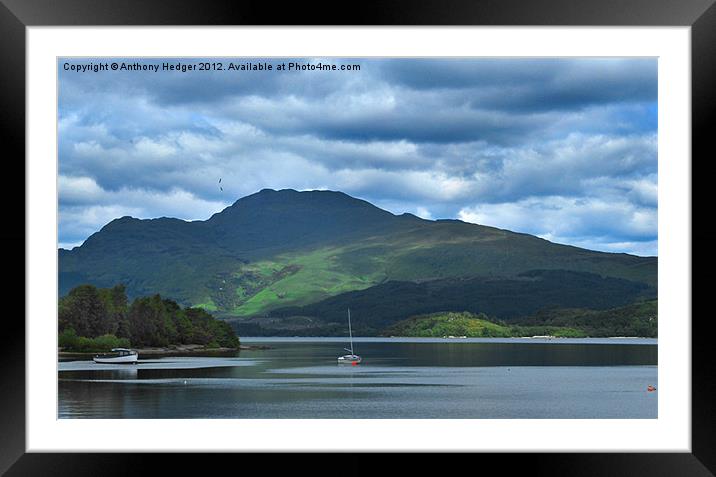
x=399 y=378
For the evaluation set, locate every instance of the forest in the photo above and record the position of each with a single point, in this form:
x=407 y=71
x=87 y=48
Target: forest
x=98 y=319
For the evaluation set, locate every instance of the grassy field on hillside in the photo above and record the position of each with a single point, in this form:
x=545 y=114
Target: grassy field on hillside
x=311 y=277
x=308 y=276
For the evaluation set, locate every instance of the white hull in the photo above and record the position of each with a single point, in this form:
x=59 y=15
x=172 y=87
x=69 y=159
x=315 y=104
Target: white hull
x=129 y=359
x=349 y=359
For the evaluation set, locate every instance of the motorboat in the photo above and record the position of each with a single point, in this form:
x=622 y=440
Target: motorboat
x=117 y=356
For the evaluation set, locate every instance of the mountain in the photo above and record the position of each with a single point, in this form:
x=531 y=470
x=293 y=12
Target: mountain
x=191 y=261
x=274 y=251
x=502 y=298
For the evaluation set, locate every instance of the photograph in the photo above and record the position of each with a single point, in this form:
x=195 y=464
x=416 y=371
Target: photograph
x=416 y=230
x=357 y=237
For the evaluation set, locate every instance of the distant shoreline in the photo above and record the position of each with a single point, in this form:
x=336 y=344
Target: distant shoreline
x=267 y=339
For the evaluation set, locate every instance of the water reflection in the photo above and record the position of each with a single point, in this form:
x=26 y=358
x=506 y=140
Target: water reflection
x=403 y=379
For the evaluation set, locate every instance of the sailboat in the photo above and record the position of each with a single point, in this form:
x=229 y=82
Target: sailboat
x=349 y=358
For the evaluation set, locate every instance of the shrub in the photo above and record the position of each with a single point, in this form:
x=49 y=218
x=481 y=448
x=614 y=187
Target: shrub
x=69 y=341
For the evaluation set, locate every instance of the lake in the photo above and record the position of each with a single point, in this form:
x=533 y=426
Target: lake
x=400 y=378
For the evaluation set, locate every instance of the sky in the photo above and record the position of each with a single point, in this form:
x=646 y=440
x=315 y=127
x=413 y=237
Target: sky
x=565 y=149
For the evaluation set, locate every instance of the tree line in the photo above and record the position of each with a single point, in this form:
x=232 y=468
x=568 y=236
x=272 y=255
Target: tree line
x=91 y=312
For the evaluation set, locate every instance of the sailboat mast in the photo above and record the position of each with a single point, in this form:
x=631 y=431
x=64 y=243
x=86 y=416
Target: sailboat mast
x=350 y=332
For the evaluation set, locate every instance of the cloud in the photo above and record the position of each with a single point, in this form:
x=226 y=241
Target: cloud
x=85 y=207
x=603 y=224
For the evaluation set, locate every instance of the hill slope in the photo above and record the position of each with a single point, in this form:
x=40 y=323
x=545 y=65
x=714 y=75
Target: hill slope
x=502 y=298
x=275 y=249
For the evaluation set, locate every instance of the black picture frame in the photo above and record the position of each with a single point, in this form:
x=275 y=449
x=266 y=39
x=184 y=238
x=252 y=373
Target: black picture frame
x=16 y=15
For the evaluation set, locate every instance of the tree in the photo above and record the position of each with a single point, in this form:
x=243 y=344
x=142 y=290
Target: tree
x=84 y=310
x=91 y=317
x=148 y=321
x=115 y=302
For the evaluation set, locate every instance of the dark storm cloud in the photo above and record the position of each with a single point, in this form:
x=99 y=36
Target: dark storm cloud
x=491 y=140
x=534 y=84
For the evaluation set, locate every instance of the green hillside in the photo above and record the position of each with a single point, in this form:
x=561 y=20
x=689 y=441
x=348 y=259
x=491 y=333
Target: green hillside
x=470 y=325
x=278 y=249
x=636 y=319
x=508 y=299
x=438 y=325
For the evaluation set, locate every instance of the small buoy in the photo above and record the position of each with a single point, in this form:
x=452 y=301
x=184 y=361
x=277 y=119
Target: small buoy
x=185 y=381
x=650 y=388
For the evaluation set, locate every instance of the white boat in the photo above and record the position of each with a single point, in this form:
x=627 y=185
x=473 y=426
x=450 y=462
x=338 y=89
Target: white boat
x=118 y=356
x=351 y=358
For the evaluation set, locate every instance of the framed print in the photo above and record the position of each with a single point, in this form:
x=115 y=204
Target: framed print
x=416 y=230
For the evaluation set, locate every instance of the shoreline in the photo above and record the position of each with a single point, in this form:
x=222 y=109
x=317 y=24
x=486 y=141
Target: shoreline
x=258 y=339
x=178 y=350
